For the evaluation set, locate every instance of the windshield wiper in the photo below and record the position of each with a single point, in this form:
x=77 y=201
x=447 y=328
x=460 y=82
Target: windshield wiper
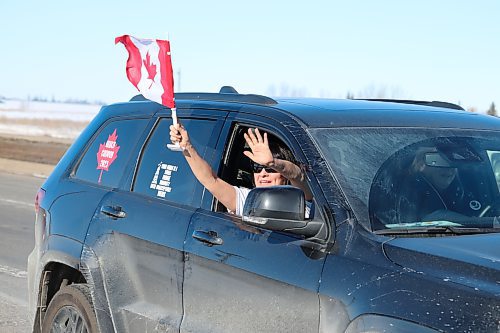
x=437 y=230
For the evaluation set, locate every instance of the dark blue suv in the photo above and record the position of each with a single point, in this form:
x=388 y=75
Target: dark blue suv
x=402 y=234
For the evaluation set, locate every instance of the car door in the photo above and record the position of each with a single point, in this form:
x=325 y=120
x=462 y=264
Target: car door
x=244 y=279
x=138 y=231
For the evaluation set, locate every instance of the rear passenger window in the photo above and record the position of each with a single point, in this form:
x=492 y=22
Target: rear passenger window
x=105 y=160
x=165 y=174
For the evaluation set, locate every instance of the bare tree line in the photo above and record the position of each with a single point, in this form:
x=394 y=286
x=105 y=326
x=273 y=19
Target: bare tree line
x=371 y=91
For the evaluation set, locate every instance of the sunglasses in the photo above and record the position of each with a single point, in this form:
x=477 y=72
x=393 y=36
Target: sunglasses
x=257 y=168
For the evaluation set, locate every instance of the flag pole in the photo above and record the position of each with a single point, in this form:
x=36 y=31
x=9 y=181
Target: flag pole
x=174 y=115
x=174 y=146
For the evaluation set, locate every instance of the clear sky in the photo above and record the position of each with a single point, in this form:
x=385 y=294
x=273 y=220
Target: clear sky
x=423 y=49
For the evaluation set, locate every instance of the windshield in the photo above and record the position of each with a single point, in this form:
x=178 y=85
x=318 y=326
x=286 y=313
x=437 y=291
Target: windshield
x=403 y=178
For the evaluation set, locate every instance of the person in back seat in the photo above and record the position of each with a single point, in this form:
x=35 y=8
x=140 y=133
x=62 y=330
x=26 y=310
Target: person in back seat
x=270 y=167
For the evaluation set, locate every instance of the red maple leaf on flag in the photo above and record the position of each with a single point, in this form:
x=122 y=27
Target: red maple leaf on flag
x=151 y=68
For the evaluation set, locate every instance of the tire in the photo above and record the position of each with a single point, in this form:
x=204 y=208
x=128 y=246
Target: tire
x=71 y=310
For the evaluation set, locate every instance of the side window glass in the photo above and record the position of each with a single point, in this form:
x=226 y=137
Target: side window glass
x=494 y=157
x=443 y=181
x=165 y=174
x=105 y=160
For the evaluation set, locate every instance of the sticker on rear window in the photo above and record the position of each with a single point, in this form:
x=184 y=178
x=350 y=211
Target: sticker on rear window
x=107 y=154
x=162 y=179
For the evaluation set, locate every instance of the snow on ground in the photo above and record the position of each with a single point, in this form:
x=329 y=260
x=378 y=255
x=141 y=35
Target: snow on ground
x=39 y=130
x=47 y=110
x=57 y=120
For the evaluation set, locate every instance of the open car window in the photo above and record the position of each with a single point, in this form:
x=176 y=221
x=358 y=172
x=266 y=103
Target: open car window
x=237 y=169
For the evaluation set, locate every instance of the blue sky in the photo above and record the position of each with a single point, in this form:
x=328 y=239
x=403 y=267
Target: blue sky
x=430 y=50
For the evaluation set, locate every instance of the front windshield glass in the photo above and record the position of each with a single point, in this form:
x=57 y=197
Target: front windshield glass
x=398 y=178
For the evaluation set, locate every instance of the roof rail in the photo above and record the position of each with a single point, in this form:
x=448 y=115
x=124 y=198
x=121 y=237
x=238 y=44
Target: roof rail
x=439 y=104
x=226 y=94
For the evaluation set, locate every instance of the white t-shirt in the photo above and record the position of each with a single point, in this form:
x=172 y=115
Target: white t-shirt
x=241 y=196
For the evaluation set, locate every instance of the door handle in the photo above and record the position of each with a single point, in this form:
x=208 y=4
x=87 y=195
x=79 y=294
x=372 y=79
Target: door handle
x=207 y=237
x=113 y=211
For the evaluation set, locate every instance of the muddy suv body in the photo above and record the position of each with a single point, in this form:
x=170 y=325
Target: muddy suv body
x=127 y=240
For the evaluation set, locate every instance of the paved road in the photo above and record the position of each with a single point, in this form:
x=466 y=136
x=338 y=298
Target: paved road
x=17 y=214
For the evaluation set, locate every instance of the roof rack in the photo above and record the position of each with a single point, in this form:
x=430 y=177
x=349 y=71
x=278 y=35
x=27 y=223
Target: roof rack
x=226 y=94
x=439 y=104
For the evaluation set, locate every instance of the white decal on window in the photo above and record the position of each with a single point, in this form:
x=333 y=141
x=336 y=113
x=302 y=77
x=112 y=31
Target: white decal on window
x=161 y=179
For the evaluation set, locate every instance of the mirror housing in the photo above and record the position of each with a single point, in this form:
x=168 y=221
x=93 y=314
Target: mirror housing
x=435 y=159
x=279 y=208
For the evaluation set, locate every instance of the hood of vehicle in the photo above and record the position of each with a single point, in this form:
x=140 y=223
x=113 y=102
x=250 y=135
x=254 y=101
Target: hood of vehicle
x=469 y=260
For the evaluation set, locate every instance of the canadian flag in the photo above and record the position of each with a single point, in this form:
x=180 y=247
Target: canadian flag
x=149 y=68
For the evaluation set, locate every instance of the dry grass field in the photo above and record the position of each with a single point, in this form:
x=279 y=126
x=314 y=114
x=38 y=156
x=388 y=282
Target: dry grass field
x=36 y=140
x=31 y=150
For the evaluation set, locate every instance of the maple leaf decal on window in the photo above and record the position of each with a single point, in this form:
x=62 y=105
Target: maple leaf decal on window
x=150 y=68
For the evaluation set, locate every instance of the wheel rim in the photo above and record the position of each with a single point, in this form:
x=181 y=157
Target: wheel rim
x=69 y=320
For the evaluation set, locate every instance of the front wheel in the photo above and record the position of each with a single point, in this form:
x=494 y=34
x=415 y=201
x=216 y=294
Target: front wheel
x=71 y=310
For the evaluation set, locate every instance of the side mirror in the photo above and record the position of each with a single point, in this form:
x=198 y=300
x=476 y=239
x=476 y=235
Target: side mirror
x=279 y=208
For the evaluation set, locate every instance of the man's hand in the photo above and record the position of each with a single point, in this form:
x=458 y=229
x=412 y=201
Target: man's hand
x=179 y=134
x=260 y=153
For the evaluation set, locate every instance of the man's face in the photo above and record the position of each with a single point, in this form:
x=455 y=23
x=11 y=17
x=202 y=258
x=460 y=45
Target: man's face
x=264 y=178
x=441 y=178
